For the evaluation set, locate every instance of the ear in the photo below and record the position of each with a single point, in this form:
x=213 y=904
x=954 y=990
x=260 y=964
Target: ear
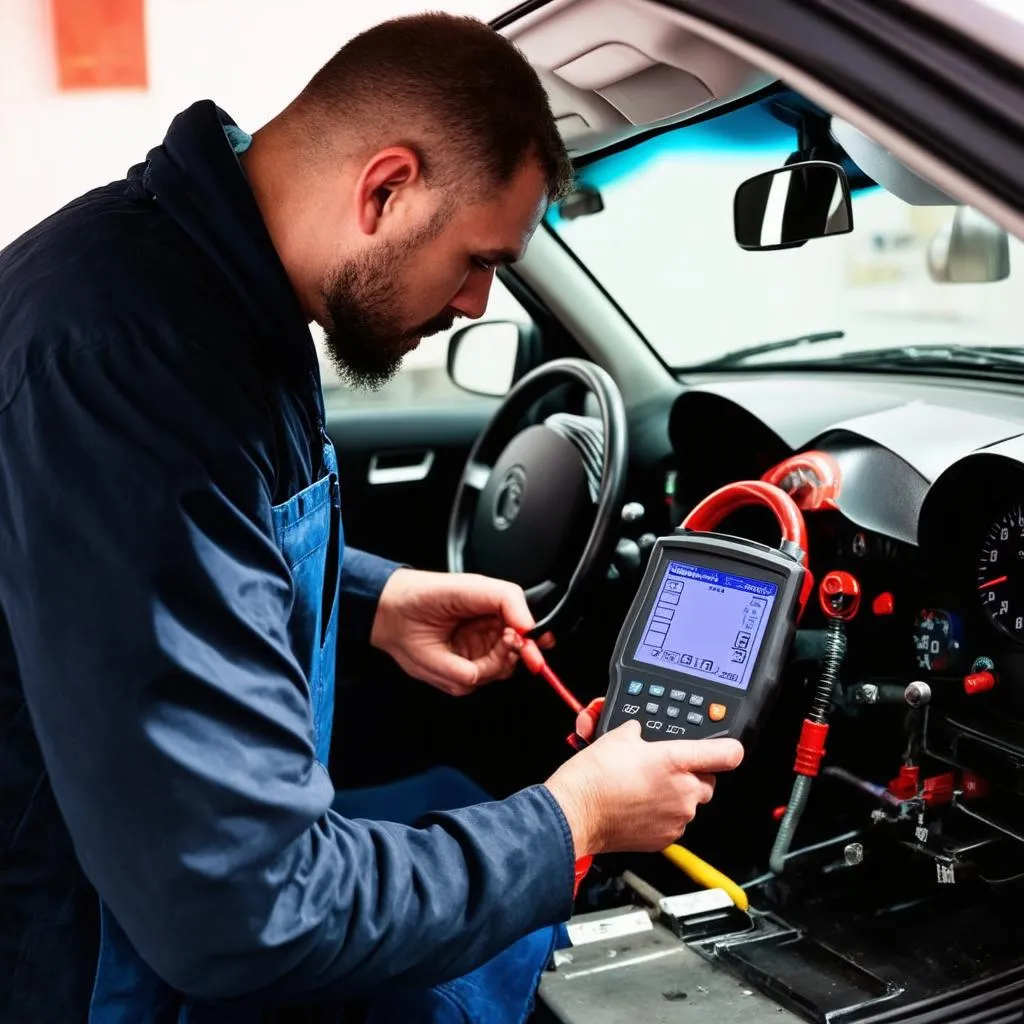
x=383 y=183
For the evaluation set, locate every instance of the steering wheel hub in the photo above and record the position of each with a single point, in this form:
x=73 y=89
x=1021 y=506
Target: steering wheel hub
x=529 y=507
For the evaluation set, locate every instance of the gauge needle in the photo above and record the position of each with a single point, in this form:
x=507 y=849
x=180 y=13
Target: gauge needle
x=993 y=583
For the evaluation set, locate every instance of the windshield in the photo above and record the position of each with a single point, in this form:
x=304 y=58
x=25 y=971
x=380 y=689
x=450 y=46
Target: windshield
x=664 y=248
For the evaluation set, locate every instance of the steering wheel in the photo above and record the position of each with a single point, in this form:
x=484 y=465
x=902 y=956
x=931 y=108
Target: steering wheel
x=524 y=498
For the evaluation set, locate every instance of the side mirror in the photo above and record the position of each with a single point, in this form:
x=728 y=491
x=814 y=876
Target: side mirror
x=786 y=207
x=484 y=358
x=970 y=249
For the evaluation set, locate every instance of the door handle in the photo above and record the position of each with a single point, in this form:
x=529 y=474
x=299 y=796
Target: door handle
x=391 y=469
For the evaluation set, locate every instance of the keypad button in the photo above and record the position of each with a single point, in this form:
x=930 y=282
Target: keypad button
x=679 y=695
x=672 y=711
x=697 y=700
x=694 y=718
x=630 y=709
x=717 y=712
x=652 y=708
x=634 y=688
x=656 y=691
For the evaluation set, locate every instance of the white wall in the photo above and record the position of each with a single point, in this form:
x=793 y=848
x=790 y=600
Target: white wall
x=250 y=56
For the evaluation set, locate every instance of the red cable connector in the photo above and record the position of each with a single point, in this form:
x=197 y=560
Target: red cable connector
x=907 y=784
x=811 y=748
x=938 y=790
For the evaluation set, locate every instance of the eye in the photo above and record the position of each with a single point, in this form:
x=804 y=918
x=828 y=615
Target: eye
x=482 y=264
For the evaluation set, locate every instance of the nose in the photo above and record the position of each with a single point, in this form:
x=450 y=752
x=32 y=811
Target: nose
x=471 y=299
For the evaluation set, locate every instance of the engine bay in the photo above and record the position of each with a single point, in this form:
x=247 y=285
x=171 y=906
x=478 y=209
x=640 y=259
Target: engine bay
x=899 y=897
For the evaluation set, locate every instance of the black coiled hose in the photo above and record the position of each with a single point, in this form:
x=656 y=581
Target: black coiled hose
x=821 y=708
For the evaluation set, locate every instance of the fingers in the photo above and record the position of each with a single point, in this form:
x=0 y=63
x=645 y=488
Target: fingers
x=455 y=675
x=708 y=784
x=705 y=755
x=512 y=606
x=586 y=721
x=585 y=725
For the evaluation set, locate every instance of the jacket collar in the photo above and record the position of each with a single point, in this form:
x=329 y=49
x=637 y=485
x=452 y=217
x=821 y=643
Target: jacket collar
x=196 y=177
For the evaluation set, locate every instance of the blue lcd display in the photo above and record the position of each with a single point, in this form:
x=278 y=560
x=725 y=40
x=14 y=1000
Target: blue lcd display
x=707 y=623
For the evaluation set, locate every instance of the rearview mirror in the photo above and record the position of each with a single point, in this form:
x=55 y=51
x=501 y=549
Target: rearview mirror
x=483 y=357
x=786 y=207
x=584 y=201
x=970 y=249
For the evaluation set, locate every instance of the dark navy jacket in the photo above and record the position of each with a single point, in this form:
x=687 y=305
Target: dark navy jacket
x=162 y=731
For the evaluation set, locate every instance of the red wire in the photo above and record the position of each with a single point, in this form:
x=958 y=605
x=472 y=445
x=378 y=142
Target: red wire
x=533 y=659
x=558 y=686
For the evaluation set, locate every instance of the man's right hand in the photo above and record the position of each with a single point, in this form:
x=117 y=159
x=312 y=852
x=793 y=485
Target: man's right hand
x=624 y=793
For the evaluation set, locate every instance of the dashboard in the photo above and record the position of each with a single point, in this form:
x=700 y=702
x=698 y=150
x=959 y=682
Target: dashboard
x=915 y=488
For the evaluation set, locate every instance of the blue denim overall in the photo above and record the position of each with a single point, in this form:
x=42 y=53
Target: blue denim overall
x=309 y=534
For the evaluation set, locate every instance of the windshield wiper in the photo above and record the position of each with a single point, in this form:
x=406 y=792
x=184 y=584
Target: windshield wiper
x=936 y=356
x=741 y=355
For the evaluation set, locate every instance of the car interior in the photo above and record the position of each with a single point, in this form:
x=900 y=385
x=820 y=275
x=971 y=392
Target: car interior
x=753 y=290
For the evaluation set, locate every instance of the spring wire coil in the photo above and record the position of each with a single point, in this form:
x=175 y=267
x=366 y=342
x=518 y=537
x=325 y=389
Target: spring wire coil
x=835 y=650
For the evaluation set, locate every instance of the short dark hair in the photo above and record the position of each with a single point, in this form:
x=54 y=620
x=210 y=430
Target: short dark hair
x=457 y=92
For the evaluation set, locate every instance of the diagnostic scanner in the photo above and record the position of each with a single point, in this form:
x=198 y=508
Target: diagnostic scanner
x=702 y=649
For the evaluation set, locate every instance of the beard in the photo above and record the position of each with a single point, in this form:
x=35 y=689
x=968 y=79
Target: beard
x=365 y=338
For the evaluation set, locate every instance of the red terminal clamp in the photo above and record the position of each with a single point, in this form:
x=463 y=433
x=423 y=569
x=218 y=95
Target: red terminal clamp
x=938 y=790
x=979 y=682
x=907 y=784
x=883 y=604
x=839 y=595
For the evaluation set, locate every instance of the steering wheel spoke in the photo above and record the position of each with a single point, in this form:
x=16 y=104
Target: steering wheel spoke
x=540 y=592
x=476 y=476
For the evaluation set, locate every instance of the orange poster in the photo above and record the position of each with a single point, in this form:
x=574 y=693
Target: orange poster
x=100 y=44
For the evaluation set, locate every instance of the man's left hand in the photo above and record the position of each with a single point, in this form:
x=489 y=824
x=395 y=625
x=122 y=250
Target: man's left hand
x=453 y=631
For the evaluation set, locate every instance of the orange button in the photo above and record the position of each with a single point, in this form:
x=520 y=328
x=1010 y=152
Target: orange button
x=716 y=712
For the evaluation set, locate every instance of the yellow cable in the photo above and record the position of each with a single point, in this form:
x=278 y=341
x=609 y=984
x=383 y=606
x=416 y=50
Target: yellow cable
x=704 y=874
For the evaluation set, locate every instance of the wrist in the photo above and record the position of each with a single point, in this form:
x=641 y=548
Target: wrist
x=391 y=597
x=580 y=812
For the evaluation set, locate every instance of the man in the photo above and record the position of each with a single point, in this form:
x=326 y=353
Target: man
x=173 y=583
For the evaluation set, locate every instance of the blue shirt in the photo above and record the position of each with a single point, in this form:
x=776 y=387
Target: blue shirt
x=159 y=400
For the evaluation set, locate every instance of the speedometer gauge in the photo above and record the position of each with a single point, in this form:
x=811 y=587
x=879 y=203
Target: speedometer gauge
x=1001 y=573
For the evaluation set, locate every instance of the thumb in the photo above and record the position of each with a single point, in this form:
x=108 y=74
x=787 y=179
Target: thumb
x=720 y=755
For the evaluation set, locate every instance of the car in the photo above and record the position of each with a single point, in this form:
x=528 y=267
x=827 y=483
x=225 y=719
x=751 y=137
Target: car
x=791 y=256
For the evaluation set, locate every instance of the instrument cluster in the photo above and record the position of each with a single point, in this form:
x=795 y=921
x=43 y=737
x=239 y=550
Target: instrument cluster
x=948 y=607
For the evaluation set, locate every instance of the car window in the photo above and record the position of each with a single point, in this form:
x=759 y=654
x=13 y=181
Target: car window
x=423 y=378
x=664 y=248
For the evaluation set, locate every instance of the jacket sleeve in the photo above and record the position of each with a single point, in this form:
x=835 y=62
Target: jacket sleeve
x=362 y=579
x=148 y=605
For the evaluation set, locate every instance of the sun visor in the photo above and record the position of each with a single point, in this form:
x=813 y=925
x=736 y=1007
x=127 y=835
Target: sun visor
x=885 y=169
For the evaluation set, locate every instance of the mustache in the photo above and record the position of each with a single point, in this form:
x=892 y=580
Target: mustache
x=435 y=325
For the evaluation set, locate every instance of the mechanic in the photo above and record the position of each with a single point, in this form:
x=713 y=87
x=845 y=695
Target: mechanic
x=173 y=583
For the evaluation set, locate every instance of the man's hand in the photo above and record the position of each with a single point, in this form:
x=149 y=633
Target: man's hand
x=624 y=793
x=454 y=631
